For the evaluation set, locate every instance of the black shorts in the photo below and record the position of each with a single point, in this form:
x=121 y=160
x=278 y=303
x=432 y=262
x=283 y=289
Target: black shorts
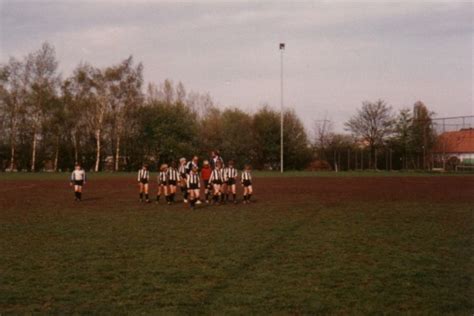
x=206 y=183
x=193 y=186
x=231 y=181
x=79 y=182
x=217 y=182
x=247 y=183
x=172 y=182
x=144 y=181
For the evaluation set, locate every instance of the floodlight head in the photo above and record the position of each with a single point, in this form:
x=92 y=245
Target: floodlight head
x=282 y=46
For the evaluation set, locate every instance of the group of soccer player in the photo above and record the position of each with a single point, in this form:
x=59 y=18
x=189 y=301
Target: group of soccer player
x=219 y=181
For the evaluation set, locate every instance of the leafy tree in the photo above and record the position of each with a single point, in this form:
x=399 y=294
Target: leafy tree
x=402 y=138
x=236 y=143
x=266 y=132
x=211 y=131
x=162 y=132
x=423 y=135
x=296 y=149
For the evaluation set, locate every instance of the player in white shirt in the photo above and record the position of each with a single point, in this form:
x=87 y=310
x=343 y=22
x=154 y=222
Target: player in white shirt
x=246 y=180
x=231 y=175
x=143 y=179
x=78 y=179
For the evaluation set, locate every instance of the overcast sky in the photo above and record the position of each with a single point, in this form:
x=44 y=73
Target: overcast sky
x=338 y=54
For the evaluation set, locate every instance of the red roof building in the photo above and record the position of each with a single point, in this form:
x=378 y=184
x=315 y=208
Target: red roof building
x=455 y=142
x=459 y=144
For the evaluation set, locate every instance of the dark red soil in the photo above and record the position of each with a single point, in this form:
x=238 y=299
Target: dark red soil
x=111 y=193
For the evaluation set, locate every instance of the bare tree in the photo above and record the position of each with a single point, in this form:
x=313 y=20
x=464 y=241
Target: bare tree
x=12 y=101
x=180 y=93
x=372 y=123
x=323 y=130
x=125 y=83
x=92 y=96
x=200 y=104
x=41 y=67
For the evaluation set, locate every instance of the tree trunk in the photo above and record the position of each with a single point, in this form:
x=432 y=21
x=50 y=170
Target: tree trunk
x=97 y=157
x=117 y=153
x=12 y=156
x=76 y=149
x=56 y=155
x=375 y=159
x=33 y=152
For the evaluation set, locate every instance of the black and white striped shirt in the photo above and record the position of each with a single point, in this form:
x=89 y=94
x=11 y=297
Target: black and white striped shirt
x=216 y=175
x=162 y=177
x=190 y=165
x=215 y=160
x=246 y=176
x=193 y=179
x=173 y=174
x=143 y=174
x=230 y=173
x=182 y=170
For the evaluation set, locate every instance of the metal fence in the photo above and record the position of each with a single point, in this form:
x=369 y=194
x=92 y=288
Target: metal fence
x=387 y=158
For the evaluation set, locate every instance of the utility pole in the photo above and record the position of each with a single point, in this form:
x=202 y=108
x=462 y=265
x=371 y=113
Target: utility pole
x=282 y=49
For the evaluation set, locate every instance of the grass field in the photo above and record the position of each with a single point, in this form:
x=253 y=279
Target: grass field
x=347 y=244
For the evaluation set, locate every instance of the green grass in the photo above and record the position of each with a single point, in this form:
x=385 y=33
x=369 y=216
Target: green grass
x=305 y=257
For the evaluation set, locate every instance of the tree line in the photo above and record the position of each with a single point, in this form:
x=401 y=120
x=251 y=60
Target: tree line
x=107 y=119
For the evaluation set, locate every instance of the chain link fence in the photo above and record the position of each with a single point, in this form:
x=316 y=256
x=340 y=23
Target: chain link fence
x=452 y=150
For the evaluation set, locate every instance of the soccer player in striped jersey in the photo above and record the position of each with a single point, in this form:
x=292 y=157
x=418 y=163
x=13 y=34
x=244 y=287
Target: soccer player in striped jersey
x=143 y=178
x=182 y=183
x=173 y=179
x=193 y=184
x=206 y=174
x=78 y=179
x=247 y=183
x=224 y=194
x=192 y=163
x=216 y=181
x=163 y=183
x=231 y=175
x=215 y=157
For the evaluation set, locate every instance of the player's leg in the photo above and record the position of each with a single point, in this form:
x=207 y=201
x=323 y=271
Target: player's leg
x=167 y=194
x=215 y=191
x=76 y=193
x=158 y=194
x=79 y=192
x=197 y=194
x=218 y=193
x=140 y=189
x=223 y=192
x=234 y=194
x=206 y=190
x=145 y=190
x=249 y=193
x=184 y=190
x=191 y=197
x=170 y=193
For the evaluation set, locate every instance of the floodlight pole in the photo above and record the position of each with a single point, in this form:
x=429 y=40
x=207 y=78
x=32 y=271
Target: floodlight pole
x=282 y=49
